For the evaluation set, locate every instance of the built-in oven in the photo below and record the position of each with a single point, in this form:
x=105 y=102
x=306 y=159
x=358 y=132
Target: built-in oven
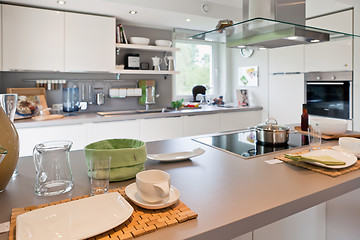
x=329 y=94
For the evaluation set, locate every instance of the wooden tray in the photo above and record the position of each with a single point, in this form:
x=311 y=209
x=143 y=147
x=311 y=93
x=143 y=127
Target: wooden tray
x=48 y=117
x=329 y=137
x=141 y=222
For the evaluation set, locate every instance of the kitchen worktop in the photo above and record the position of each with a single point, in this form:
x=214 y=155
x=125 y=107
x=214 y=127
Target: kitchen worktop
x=232 y=195
x=82 y=117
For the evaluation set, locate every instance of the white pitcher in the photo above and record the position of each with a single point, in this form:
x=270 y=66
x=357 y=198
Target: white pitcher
x=156 y=63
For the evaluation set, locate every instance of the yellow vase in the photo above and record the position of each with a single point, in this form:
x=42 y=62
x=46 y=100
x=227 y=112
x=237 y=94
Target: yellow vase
x=9 y=139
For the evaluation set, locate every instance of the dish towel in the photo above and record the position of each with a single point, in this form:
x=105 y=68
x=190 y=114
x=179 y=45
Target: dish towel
x=324 y=159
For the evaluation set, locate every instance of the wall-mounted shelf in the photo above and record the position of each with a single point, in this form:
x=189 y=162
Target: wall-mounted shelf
x=134 y=71
x=146 y=47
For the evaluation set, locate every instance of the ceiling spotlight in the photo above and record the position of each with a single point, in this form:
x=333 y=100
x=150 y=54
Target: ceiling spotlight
x=61 y=2
x=188 y=19
x=315 y=40
x=292 y=38
x=262 y=48
x=241 y=46
x=133 y=12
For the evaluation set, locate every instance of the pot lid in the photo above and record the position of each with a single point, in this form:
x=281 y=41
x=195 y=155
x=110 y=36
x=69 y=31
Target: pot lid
x=271 y=126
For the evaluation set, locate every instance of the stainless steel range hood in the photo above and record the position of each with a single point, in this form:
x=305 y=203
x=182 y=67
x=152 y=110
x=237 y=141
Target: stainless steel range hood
x=270 y=24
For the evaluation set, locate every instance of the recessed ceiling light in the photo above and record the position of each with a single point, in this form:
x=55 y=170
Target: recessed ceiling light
x=262 y=48
x=292 y=38
x=188 y=19
x=61 y=2
x=241 y=46
x=315 y=40
x=133 y=12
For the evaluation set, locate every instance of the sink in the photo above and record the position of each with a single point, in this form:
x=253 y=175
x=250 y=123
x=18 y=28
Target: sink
x=155 y=110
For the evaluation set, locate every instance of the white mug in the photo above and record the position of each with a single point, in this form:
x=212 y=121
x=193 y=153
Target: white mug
x=349 y=144
x=153 y=185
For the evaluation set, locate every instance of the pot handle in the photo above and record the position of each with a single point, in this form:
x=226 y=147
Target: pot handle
x=269 y=119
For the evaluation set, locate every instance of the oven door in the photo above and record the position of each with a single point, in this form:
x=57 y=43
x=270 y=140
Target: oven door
x=329 y=99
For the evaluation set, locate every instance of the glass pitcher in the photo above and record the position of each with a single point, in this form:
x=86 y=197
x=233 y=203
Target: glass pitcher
x=53 y=171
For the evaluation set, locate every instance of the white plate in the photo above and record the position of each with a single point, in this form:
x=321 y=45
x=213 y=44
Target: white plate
x=131 y=192
x=176 y=155
x=348 y=158
x=78 y=219
x=337 y=148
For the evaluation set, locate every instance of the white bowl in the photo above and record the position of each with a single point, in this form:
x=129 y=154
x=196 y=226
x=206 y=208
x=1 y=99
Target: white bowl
x=163 y=43
x=349 y=144
x=139 y=40
x=330 y=126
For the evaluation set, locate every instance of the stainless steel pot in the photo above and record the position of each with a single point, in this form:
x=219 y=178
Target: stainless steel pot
x=271 y=133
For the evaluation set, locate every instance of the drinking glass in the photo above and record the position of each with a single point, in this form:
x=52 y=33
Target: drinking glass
x=99 y=174
x=314 y=135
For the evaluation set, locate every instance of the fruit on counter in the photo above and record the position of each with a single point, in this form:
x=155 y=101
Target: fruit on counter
x=177 y=104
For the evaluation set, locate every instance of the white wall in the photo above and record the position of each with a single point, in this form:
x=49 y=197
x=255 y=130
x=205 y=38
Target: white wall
x=258 y=96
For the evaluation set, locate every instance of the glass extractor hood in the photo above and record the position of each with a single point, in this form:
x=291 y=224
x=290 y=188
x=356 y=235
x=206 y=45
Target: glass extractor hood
x=261 y=32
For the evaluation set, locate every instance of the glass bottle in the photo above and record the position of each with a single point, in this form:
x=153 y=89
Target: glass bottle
x=304 y=119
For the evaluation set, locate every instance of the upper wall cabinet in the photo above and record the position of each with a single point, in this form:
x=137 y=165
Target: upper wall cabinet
x=33 y=39
x=340 y=22
x=89 y=43
x=286 y=59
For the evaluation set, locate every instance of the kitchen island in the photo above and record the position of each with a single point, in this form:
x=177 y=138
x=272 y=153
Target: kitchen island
x=232 y=196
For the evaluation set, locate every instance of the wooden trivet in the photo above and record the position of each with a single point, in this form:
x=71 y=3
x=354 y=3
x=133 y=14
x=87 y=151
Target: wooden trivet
x=329 y=137
x=327 y=171
x=141 y=222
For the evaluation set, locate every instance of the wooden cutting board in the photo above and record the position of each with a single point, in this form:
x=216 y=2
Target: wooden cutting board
x=47 y=117
x=329 y=137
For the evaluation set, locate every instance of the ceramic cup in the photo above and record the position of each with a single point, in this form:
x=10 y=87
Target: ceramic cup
x=349 y=144
x=153 y=185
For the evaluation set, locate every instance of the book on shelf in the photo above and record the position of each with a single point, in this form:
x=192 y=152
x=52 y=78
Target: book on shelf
x=120 y=34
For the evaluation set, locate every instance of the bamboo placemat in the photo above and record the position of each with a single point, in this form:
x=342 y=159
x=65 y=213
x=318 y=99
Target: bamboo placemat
x=327 y=171
x=141 y=222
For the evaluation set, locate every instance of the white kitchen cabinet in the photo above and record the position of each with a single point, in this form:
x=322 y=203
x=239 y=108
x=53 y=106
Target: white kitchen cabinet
x=201 y=124
x=286 y=59
x=309 y=224
x=335 y=55
x=161 y=128
x=239 y=120
x=89 y=43
x=33 y=39
x=286 y=96
x=340 y=22
x=110 y=130
x=29 y=137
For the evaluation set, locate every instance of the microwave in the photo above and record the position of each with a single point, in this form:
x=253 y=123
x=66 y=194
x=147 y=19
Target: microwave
x=329 y=94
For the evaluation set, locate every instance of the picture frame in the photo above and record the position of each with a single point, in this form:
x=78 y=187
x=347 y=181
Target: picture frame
x=248 y=76
x=242 y=97
x=30 y=100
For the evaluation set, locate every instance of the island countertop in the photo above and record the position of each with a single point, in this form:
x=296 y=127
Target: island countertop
x=232 y=195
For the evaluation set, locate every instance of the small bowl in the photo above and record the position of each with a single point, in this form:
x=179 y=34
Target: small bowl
x=127 y=156
x=163 y=43
x=139 y=40
x=330 y=126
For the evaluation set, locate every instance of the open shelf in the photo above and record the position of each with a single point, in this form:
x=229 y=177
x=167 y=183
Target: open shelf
x=146 y=47
x=135 y=71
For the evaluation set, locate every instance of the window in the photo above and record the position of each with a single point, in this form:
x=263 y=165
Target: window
x=195 y=61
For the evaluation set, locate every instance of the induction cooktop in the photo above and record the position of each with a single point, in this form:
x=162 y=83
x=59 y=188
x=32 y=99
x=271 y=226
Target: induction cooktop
x=245 y=145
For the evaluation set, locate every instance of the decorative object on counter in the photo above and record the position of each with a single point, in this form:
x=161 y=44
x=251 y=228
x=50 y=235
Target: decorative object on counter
x=332 y=172
x=304 y=118
x=336 y=136
x=10 y=141
x=71 y=101
x=198 y=89
x=148 y=92
x=120 y=34
x=156 y=63
x=218 y=101
x=177 y=104
x=248 y=76
x=127 y=156
x=132 y=61
x=29 y=101
x=242 y=97
x=53 y=170
x=163 y=43
x=139 y=40
x=144 y=66
x=137 y=225
x=170 y=63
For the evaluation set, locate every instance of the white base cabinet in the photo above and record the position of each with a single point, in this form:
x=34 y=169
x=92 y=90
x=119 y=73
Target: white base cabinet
x=201 y=124
x=161 y=128
x=239 y=120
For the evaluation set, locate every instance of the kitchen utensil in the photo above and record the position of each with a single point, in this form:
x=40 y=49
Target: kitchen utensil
x=330 y=126
x=156 y=63
x=71 y=99
x=153 y=185
x=8 y=103
x=170 y=64
x=53 y=170
x=271 y=133
x=100 y=98
x=132 y=193
x=163 y=43
x=139 y=40
x=90 y=92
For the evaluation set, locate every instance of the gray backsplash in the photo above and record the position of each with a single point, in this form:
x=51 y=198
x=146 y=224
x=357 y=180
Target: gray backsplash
x=163 y=87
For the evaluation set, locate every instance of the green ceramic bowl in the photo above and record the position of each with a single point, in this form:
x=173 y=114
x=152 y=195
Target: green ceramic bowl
x=127 y=156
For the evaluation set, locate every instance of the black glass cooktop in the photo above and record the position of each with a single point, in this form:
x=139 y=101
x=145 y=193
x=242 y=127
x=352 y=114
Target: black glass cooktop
x=244 y=143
